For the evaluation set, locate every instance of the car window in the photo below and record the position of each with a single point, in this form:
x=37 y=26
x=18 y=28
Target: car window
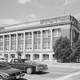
x=12 y=61
x=17 y=61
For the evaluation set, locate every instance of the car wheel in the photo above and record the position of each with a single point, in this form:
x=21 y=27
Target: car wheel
x=1 y=78
x=29 y=70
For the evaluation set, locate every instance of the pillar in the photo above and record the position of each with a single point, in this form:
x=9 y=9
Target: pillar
x=31 y=56
x=51 y=43
x=50 y=56
x=9 y=47
x=23 y=56
x=3 y=43
x=16 y=41
x=9 y=42
x=32 y=40
x=41 y=56
x=41 y=40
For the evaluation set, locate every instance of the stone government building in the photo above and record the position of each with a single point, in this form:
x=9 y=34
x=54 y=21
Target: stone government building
x=36 y=39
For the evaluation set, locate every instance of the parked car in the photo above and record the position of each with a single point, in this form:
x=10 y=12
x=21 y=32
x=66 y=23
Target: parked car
x=9 y=73
x=29 y=66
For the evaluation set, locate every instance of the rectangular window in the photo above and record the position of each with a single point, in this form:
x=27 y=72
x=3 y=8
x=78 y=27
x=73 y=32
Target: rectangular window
x=46 y=39
x=1 y=42
x=37 y=40
x=56 y=33
x=13 y=42
x=6 y=39
x=20 y=41
x=28 y=40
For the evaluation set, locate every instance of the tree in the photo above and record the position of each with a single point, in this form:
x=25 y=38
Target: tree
x=62 y=49
x=76 y=52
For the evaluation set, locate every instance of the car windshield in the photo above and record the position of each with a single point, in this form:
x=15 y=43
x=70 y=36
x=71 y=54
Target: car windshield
x=24 y=60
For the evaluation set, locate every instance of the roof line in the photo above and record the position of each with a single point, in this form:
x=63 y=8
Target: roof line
x=27 y=22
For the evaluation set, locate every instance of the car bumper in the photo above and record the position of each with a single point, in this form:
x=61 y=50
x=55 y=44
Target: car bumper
x=41 y=69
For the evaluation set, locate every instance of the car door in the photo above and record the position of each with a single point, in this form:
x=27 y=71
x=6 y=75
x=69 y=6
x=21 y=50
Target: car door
x=19 y=64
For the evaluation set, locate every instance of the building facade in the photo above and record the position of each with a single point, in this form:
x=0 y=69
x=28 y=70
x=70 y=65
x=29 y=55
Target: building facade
x=36 y=39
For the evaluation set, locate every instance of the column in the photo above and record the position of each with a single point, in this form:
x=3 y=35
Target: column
x=50 y=56
x=31 y=56
x=23 y=45
x=32 y=40
x=3 y=43
x=41 y=57
x=9 y=47
x=16 y=41
x=41 y=40
x=9 y=42
x=24 y=41
x=51 y=43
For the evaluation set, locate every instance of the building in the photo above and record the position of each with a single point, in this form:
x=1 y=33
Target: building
x=36 y=39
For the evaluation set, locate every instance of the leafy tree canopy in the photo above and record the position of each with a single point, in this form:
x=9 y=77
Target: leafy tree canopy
x=62 y=48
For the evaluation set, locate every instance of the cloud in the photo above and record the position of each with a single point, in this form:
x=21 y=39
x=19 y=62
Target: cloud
x=31 y=17
x=8 y=21
x=23 y=1
x=67 y=2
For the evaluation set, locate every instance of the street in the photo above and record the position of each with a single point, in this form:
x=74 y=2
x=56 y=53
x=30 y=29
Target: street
x=55 y=73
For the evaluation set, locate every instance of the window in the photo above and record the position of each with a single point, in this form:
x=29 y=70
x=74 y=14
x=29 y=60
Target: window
x=20 y=41
x=46 y=39
x=6 y=56
x=12 y=55
x=27 y=56
x=6 y=42
x=28 y=40
x=36 y=56
x=37 y=40
x=45 y=56
x=56 y=32
x=13 y=42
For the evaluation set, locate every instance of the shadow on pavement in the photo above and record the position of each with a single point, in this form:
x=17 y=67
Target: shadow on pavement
x=41 y=73
x=22 y=79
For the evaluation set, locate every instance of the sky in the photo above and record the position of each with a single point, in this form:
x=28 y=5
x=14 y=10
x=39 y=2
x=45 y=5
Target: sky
x=16 y=11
